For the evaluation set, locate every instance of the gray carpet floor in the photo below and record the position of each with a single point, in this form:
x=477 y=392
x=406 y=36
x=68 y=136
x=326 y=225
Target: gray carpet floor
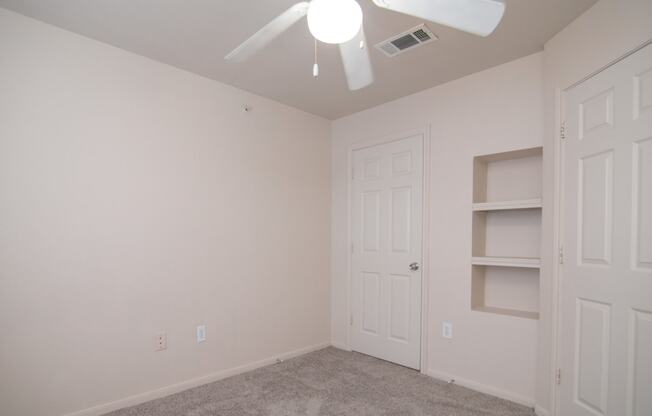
x=329 y=382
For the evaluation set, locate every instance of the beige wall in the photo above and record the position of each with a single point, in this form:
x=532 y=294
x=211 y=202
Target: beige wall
x=492 y=111
x=602 y=34
x=135 y=198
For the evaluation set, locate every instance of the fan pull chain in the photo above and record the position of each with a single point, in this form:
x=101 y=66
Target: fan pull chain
x=315 y=67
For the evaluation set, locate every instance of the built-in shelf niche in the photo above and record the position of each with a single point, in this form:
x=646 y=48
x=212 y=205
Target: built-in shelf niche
x=506 y=212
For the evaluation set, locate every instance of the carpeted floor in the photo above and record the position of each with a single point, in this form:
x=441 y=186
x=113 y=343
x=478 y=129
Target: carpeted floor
x=329 y=382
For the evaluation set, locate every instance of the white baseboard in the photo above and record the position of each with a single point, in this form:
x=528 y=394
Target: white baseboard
x=185 y=385
x=483 y=388
x=340 y=346
x=540 y=411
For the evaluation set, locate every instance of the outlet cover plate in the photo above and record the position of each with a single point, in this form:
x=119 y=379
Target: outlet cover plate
x=161 y=341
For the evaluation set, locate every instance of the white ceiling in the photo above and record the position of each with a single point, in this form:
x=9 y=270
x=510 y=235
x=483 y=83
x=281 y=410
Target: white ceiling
x=196 y=34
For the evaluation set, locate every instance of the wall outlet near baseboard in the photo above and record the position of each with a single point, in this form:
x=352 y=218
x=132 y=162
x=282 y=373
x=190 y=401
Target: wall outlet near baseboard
x=201 y=333
x=447 y=329
x=161 y=341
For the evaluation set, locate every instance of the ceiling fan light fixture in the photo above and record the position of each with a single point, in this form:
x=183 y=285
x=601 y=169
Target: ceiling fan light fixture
x=334 y=21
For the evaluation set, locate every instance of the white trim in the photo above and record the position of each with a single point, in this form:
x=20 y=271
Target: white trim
x=425 y=251
x=615 y=61
x=482 y=388
x=349 y=244
x=425 y=237
x=540 y=411
x=388 y=139
x=185 y=385
x=557 y=237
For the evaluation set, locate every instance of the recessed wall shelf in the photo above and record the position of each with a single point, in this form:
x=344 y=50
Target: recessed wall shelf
x=528 y=262
x=506 y=213
x=505 y=205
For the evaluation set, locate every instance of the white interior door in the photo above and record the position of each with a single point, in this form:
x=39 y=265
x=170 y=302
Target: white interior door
x=387 y=200
x=606 y=278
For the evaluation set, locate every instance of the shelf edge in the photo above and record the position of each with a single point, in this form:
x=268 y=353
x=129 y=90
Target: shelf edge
x=508 y=205
x=533 y=263
x=507 y=312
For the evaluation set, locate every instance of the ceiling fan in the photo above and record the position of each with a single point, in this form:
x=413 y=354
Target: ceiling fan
x=340 y=22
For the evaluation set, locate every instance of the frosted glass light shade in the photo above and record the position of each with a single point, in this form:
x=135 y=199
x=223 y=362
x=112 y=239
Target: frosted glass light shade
x=334 y=21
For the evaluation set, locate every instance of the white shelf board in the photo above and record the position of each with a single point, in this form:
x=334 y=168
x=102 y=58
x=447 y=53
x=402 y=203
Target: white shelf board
x=504 y=205
x=528 y=262
x=509 y=312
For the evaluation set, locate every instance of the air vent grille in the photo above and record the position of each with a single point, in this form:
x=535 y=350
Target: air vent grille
x=406 y=40
x=422 y=35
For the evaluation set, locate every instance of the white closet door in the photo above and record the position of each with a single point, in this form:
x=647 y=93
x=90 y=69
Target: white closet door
x=387 y=199
x=606 y=281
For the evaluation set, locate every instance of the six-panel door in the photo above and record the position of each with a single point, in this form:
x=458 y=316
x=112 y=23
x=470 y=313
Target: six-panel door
x=386 y=224
x=606 y=280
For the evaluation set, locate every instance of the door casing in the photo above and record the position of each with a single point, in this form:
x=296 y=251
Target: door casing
x=425 y=266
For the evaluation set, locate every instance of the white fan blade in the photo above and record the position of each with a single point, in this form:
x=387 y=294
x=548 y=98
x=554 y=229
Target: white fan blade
x=480 y=17
x=357 y=64
x=269 y=32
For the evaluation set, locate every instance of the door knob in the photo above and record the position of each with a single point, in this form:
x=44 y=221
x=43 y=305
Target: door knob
x=414 y=266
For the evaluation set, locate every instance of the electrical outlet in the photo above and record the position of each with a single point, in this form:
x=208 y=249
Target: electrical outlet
x=201 y=333
x=447 y=330
x=161 y=341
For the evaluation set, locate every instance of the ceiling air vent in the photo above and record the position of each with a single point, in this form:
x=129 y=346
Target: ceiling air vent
x=406 y=40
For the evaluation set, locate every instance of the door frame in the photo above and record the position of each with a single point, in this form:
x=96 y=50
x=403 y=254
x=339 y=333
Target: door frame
x=424 y=132
x=558 y=219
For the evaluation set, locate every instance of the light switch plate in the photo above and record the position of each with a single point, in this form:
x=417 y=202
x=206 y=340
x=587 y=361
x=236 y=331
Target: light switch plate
x=201 y=333
x=447 y=329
